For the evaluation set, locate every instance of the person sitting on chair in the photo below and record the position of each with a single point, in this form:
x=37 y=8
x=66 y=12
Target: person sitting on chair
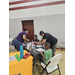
x=35 y=39
x=47 y=55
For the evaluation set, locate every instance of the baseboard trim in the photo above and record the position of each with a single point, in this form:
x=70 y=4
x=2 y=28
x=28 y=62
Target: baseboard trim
x=61 y=49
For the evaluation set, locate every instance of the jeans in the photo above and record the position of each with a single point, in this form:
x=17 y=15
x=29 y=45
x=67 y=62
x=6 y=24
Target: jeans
x=17 y=44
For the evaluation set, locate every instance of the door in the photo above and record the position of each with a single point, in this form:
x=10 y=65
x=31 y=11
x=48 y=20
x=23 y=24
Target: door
x=28 y=24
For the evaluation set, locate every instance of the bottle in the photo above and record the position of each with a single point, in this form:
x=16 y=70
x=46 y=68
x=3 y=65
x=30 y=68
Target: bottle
x=33 y=46
x=30 y=47
x=27 y=46
x=21 y=52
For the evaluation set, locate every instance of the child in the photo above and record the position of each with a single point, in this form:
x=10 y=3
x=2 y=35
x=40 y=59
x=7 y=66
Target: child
x=47 y=55
x=35 y=39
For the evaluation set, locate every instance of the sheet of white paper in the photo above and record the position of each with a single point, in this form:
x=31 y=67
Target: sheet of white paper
x=40 y=49
x=12 y=58
x=38 y=45
x=24 y=44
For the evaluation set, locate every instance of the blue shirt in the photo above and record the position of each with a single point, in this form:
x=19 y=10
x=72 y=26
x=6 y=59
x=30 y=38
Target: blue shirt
x=20 y=36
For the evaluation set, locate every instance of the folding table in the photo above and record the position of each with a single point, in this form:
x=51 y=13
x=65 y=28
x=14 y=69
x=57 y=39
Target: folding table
x=23 y=67
x=36 y=56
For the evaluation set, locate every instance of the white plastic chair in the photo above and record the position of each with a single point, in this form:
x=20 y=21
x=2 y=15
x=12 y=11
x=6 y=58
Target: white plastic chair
x=11 y=47
x=61 y=44
x=10 y=40
x=10 y=44
x=52 y=65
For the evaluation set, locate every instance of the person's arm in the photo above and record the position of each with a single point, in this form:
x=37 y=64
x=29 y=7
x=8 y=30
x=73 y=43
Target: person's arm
x=41 y=39
x=25 y=42
x=24 y=37
x=42 y=42
x=42 y=55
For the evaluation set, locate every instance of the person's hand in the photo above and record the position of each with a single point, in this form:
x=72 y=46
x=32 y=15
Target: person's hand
x=26 y=42
x=38 y=42
x=35 y=42
x=27 y=39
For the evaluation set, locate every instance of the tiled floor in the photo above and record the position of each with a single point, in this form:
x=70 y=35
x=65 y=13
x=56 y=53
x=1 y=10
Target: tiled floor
x=38 y=68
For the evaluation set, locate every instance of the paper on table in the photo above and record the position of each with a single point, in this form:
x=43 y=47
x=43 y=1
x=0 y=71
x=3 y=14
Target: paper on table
x=38 y=45
x=40 y=49
x=12 y=58
x=24 y=44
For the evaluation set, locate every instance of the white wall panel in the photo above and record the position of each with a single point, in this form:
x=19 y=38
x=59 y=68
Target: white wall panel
x=54 y=24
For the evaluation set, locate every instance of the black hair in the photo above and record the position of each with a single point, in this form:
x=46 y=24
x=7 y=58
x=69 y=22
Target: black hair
x=47 y=44
x=35 y=36
x=41 y=32
x=25 y=29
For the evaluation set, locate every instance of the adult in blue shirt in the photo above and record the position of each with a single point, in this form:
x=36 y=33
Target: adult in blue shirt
x=21 y=38
x=46 y=37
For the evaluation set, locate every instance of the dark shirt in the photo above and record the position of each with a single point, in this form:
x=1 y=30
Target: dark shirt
x=51 y=39
x=20 y=36
x=36 y=40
